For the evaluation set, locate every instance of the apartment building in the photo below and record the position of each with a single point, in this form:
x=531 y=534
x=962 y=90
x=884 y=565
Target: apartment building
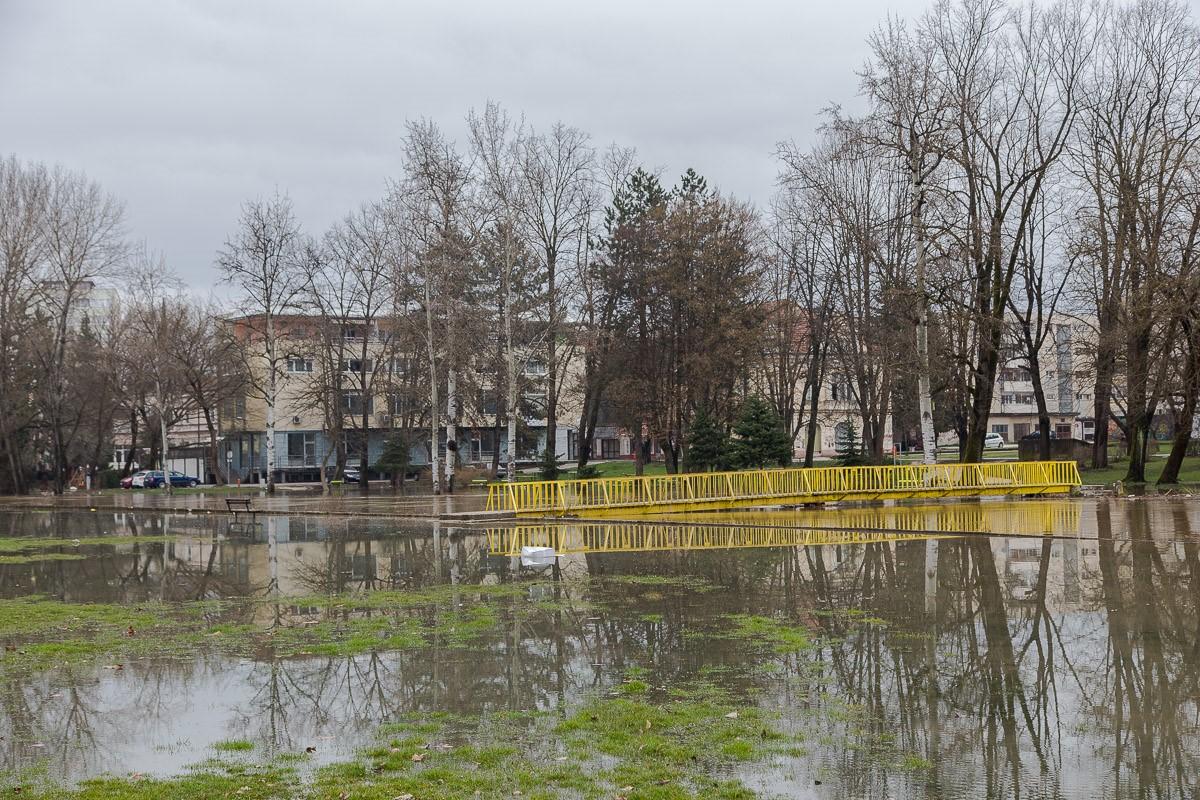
x=1065 y=380
x=391 y=401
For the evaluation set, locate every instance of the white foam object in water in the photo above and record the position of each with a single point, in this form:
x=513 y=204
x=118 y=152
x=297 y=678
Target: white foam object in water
x=537 y=556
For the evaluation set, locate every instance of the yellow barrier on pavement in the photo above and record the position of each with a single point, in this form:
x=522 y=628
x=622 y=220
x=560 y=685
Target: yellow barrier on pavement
x=705 y=491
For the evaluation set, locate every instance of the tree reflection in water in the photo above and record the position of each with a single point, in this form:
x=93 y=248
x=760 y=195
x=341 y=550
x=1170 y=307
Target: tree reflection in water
x=999 y=667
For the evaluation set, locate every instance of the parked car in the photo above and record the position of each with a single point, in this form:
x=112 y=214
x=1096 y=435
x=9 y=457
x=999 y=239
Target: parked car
x=154 y=480
x=133 y=480
x=994 y=440
x=349 y=475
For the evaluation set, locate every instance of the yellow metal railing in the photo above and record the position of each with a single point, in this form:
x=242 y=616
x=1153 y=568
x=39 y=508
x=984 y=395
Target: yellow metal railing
x=715 y=490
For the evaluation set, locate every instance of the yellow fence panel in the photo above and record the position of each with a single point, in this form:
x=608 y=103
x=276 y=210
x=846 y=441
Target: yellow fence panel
x=717 y=490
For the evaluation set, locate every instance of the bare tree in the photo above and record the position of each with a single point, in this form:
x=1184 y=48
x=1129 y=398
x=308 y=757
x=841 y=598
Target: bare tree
x=1011 y=78
x=261 y=260
x=81 y=228
x=498 y=145
x=1140 y=132
x=23 y=195
x=435 y=194
x=557 y=170
x=914 y=122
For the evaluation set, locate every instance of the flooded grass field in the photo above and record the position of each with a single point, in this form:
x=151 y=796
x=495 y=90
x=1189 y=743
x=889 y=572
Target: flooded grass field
x=840 y=653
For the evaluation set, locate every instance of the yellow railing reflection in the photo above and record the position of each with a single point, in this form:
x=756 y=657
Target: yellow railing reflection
x=632 y=537
x=1058 y=515
x=726 y=490
x=792 y=529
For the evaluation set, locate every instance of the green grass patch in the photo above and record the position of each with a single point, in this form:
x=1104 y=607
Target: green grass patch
x=766 y=632
x=1189 y=472
x=34 y=557
x=26 y=544
x=234 y=746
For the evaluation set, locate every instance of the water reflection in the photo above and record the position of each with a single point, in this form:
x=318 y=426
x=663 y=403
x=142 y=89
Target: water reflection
x=1061 y=666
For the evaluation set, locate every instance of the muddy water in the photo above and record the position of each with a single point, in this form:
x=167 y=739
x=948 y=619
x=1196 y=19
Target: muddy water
x=1057 y=657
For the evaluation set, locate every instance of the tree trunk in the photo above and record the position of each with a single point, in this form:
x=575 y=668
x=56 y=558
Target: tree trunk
x=1180 y=442
x=214 y=454
x=987 y=362
x=1187 y=413
x=127 y=468
x=1039 y=397
x=434 y=463
x=451 y=426
x=1137 y=410
x=552 y=355
x=924 y=390
x=272 y=398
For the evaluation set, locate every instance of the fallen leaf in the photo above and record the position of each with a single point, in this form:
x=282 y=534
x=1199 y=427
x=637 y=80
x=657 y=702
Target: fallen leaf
x=310 y=749
x=647 y=724
x=403 y=797
x=731 y=715
x=115 y=666
x=418 y=756
x=130 y=632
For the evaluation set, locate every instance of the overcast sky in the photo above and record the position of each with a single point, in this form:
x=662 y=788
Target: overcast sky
x=185 y=109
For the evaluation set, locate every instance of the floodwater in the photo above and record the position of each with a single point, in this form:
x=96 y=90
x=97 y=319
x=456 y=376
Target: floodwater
x=1058 y=656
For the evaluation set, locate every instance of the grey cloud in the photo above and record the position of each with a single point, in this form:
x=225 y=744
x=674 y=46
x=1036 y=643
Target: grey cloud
x=185 y=109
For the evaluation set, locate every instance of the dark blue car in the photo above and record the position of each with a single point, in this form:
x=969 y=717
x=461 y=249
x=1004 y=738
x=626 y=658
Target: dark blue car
x=154 y=480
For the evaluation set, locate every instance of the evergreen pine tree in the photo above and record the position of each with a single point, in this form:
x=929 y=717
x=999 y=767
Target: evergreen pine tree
x=849 y=448
x=761 y=439
x=549 y=468
x=708 y=446
x=396 y=456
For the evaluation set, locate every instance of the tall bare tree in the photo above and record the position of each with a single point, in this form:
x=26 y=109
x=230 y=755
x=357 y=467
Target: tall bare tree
x=81 y=228
x=557 y=172
x=913 y=122
x=262 y=260
x=435 y=194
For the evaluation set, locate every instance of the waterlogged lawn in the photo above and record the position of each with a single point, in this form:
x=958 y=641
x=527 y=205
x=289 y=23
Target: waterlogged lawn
x=26 y=550
x=38 y=632
x=685 y=744
x=647 y=735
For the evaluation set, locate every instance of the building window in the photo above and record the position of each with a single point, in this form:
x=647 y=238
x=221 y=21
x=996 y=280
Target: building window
x=301 y=449
x=400 y=365
x=234 y=408
x=1016 y=374
x=352 y=403
x=1006 y=399
x=356 y=365
x=840 y=389
x=1000 y=429
x=299 y=364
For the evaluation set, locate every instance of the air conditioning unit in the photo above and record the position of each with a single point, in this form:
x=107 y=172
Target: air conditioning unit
x=296 y=420
x=384 y=419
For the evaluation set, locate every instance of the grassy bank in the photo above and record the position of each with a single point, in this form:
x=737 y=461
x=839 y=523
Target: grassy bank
x=1189 y=473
